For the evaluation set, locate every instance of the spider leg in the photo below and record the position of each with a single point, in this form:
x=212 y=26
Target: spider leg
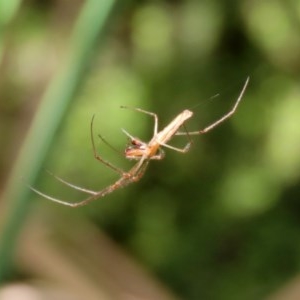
x=75 y=187
x=93 y=193
x=148 y=113
x=109 y=145
x=186 y=148
x=98 y=157
x=140 y=172
x=222 y=119
x=132 y=138
x=158 y=156
x=134 y=174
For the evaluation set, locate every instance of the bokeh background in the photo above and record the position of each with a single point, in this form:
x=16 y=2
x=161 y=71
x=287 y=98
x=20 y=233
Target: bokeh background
x=220 y=222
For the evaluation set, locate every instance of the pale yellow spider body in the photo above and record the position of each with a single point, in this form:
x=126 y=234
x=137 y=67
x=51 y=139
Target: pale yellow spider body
x=142 y=152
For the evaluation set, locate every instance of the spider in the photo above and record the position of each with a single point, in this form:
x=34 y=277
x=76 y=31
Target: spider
x=141 y=151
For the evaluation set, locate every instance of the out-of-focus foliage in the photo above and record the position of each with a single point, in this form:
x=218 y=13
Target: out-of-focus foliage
x=220 y=222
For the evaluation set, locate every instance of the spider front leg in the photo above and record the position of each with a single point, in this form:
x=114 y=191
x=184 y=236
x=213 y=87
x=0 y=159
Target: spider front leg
x=133 y=175
x=59 y=201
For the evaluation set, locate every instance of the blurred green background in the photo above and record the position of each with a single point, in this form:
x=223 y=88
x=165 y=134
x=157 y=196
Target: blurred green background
x=220 y=222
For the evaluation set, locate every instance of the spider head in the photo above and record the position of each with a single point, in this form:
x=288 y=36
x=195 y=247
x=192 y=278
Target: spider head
x=135 y=149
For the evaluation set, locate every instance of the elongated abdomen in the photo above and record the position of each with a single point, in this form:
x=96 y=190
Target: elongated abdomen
x=166 y=134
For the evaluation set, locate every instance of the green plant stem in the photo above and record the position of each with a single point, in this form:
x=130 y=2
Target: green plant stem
x=89 y=26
